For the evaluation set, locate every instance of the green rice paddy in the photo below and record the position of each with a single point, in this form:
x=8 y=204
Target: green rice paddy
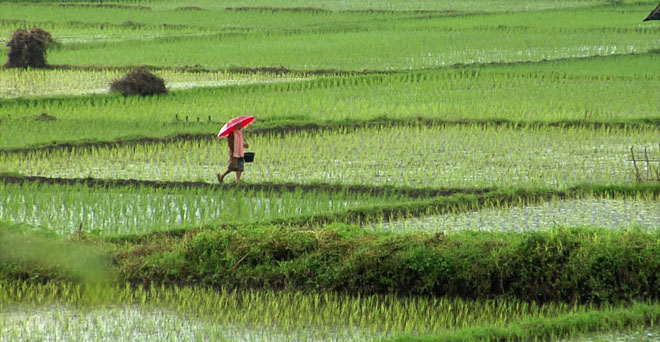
x=187 y=314
x=39 y=82
x=132 y=210
x=421 y=144
x=622 y=213
x=413 y=156
x=595 y=91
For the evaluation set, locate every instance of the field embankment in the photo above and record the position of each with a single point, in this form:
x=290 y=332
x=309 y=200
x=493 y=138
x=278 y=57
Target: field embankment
x=567 y=264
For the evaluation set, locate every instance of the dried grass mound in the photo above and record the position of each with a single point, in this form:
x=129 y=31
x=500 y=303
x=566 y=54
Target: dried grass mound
x=139 y=82
x=27 y=48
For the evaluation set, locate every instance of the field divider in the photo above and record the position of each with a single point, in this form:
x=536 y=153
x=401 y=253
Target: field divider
x=276 y=127
x=412 y=193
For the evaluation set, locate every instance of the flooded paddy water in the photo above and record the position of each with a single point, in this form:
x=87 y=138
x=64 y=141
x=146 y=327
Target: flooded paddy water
x=624 y=213
x=143 y=324
x=453 y=157
x=126 y=210
x=136 y=324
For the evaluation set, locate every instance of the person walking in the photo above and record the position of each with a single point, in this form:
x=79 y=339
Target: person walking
x=236 y=144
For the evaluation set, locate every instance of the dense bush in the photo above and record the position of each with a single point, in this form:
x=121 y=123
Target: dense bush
x=139 y=82
x=578 y=264
x=27 y=48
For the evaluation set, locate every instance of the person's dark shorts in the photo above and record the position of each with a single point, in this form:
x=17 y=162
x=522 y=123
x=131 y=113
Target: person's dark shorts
x=236 y=164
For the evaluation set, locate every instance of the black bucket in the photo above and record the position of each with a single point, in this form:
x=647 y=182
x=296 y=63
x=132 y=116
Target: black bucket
x=248 y=156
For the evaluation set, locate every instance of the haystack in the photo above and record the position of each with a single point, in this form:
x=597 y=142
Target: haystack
x=139 y=82
x=27 y=48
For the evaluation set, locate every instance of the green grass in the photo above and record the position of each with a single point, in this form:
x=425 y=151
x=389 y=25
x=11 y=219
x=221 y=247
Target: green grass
x=221 y=39
x=570 y=265
x=69 y=311
x=387 y=5
x=602 y=90
x=33 y=83
x=619 y=212
x=397 y=45
x=481 y=114
x=411 y=156
x=132 y=210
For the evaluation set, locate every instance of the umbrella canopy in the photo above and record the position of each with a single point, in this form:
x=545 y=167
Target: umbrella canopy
x=654 y=15
x=230 y=126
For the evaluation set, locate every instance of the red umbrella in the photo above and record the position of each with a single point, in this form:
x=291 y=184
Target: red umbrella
x=229 y=127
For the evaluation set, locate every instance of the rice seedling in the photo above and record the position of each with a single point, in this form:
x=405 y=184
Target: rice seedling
x=356 y=41
x=616 y=90
x=40 y=82
x=377 y=5
x=76 y=32
x=646 y=335
x=157 y=313
x=620 y=212
x=346 y=50
x=415 y=156
x=67 y=209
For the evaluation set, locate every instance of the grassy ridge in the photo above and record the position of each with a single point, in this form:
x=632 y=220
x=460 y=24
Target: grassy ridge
x=561 y=265
x=568 y=264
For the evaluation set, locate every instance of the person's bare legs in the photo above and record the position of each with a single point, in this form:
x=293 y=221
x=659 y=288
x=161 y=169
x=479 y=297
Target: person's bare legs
x=238 y=176
x=221 y=177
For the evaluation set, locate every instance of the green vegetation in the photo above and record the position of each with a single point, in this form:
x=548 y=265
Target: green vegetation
x=573 y=265
x=187 y=314
x=52 y=82
x=353 y=41
x=425 y=171
x=465 y=156
x=620 y=212
x=563 y=92
x=128 y=209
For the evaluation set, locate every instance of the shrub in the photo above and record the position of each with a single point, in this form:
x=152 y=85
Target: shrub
x=139 y=82
x=27 y=48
